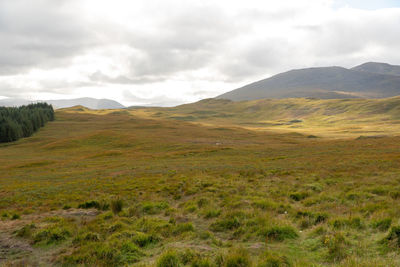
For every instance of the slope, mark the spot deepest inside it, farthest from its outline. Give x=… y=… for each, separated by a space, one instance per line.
x=324 y=83
x=325 y=117
x=380 y=68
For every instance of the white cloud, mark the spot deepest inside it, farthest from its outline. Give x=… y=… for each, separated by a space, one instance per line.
x=179 y=50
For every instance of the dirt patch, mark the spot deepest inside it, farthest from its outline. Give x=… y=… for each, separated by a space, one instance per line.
x=12 y=225
x=13 y=249
x=16 y=251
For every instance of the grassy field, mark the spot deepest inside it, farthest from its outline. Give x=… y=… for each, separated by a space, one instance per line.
x=333 y=118
x=188 y=187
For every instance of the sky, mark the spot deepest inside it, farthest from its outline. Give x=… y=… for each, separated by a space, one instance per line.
x=169 y=52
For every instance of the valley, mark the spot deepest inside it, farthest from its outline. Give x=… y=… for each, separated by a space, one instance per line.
x=200 y=185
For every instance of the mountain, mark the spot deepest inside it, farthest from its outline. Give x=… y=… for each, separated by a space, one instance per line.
x=88 y=102
x=323 y=83
x=380 y=68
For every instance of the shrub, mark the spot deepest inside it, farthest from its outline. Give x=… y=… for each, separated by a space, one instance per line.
x=15 y=216
x=52 y=235
x=212 y=213
x=115 y=227
x=187 y=256
x=297 y=196
x=130 y=253
x=382 y=225
x=320 y=218
x=310 y=218
x=104 y=254
x=116 y=206
x=238 y=258
x=169 y=259
x=274 y=261
x=316 y=187
x=107 y=215
x=184 y=227
x=154 y=208
x=91 y=237
x=201 y=263
x=89 y=205
x=151 y=225
x=336 y=245
x=304 y=224
x=339 y=223
x=229 y=223
x=355 y=223
x=109 y=256
x=279 y=233
x=190 y=208
x=143 y=240
x=202 y=202
x=264 y=204
x=93 y=204
x=393 y=238
x=318 y=231
x=26 y=231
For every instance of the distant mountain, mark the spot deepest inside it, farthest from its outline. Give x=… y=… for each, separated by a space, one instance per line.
x=380 y=68
x=324 y=83
x=88 y=102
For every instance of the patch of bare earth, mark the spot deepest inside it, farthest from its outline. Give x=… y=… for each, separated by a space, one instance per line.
x=16 y=251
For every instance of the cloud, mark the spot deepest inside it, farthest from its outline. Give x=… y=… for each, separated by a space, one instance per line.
x=100 y=78
x=43 y=34
x=178 y=48
x=161 y=100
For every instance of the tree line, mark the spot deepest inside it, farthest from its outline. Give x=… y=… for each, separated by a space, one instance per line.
x=18 y=122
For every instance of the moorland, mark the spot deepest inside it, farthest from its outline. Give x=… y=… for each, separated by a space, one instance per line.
x=293 y=182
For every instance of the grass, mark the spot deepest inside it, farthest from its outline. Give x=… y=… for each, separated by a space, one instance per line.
x=363 y=118
x=129 y=188
x=116 y=206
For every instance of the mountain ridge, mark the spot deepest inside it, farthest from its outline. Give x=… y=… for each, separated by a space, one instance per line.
x=88 y=102
x=380 y=68
x=324 y=82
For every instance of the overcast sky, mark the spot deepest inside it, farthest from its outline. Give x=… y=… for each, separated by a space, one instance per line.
x=175 y=51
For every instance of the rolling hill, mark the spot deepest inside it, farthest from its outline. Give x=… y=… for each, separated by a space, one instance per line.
x=323 y=117
x=88 y=102
x=370 y=80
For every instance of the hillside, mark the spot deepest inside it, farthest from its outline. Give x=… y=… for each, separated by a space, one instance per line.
x=120 y=189
x=322 y=117
x=323 y=83
x=87 y=102
x=380 y=68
